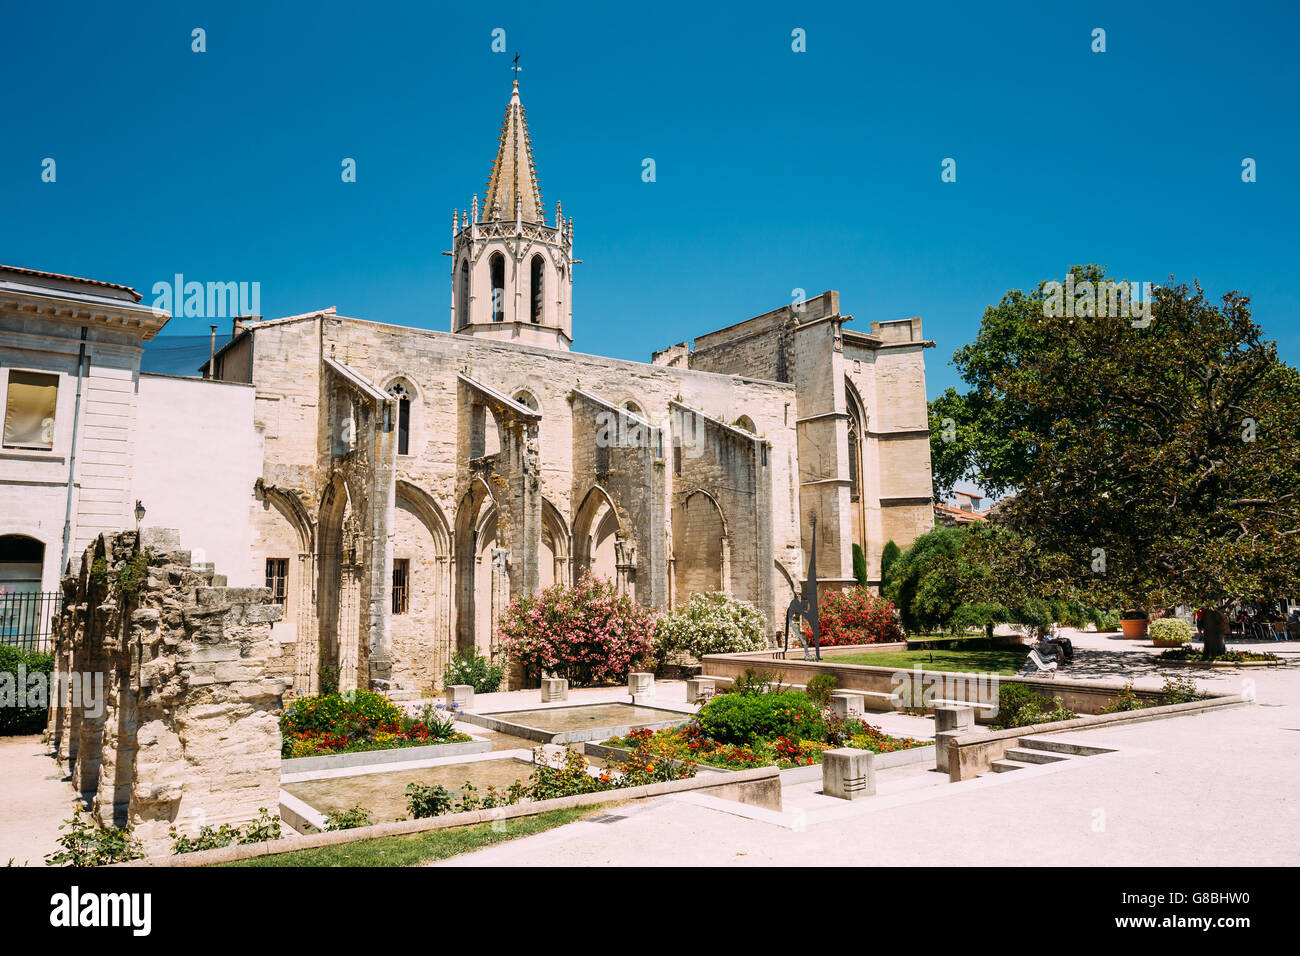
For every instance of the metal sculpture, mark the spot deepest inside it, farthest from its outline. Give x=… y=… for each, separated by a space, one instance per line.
x=805 y=607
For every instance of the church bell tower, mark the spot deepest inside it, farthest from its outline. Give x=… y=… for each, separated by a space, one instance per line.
x=512 y=273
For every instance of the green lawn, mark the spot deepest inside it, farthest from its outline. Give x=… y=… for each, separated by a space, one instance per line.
x=417 y=848
x=990 y=662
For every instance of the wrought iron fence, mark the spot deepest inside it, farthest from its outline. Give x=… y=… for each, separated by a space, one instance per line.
x=25 y=618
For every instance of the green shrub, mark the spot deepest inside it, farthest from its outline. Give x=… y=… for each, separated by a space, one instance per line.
x=1020 y=706
x=349 y=819
x=1170 y=629
x=756 y=682
x=329 y=711
x=85 y=844
x=442 y=726
x=1108 y=621
x=891 y=553
x=820 y=687
x=860 y=565
x=747 y=718
x=1179 y=690
x=710 y=623
x=22 y=720
x=1126 y=700
x=427 y=801
x=469 y=667
x=262 y=830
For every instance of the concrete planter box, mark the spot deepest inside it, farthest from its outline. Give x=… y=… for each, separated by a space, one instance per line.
x=1083 y=697
x=365 y=758
x=897 y=758
x=758 y=787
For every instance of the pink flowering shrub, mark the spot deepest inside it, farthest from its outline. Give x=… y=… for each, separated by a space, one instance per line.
x=586 y=632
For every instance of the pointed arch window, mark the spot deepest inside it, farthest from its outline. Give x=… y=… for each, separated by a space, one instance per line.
x=462 y=299
x=853 y=458
x=537 y=283
x=403 y=396
x=497 y=271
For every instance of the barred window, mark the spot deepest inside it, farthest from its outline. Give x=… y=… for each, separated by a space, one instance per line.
x=401 y=585
x=277 y=578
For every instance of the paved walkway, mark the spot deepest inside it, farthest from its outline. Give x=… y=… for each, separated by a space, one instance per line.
x=34 y=799
x=1216 y=789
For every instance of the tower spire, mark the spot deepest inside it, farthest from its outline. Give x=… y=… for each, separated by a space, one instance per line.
x=512 y=190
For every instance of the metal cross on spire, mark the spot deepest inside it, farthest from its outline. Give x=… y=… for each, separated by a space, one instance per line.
x=516 y=67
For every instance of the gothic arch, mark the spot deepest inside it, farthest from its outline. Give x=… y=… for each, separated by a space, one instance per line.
x=406 y=412
x=701 y=550
x=421 y=632
x=556 y=558
x=286 y=530
x=475 y=530
x=340 y=563
x=857 y=438
x=596 y=528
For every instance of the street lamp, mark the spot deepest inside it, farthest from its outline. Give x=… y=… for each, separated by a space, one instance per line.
x=139 y=514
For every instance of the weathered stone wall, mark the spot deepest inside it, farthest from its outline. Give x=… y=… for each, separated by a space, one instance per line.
x=186 y=732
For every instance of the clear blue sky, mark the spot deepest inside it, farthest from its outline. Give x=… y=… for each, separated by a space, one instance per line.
x=775 y=169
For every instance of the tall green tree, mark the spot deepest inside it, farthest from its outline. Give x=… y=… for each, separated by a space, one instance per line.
x=1152 y=462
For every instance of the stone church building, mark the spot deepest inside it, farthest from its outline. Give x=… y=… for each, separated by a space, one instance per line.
x=412 y=481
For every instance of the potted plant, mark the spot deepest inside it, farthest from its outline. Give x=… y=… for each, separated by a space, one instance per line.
x=1134 y=624
x=1170 y=632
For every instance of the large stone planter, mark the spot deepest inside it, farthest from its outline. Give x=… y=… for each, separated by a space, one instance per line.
x=1134 y=630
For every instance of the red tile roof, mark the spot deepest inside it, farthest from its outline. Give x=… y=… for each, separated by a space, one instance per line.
x=58 y=275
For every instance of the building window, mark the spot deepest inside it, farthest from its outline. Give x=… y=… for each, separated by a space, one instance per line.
x=462 y=300
x=29 y=410
x=853 y=459
x=403 y=397
x=538 y=286
x=277 y=579
x=497 y=271
x=401 y=585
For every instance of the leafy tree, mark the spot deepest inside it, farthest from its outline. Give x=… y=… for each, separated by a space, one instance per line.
x=925 y=580
x=888 y=556
x=1153 y=463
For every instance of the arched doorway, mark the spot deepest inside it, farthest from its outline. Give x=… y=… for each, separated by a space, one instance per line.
x=24 y=614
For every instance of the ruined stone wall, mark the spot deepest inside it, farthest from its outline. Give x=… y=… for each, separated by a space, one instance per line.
x=896 y=479
x=186 y=730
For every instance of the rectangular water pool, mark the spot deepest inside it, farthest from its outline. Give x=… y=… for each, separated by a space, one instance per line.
x=579 y=722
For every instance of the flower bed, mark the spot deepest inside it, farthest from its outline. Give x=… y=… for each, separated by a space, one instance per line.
x=691 y=744
x=356 y=722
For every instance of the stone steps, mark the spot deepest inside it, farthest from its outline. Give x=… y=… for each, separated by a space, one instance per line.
x=1063 y=747
x=1028 y=755
x=1005 y=766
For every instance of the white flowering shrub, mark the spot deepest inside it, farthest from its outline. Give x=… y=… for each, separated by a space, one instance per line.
x=710 y=624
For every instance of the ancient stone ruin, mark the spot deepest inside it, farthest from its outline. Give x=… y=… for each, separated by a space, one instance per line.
x=167 y=690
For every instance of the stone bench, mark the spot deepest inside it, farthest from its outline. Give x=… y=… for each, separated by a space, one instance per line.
x=986 y=710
